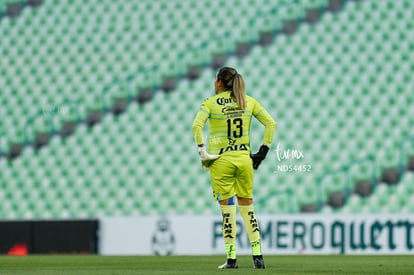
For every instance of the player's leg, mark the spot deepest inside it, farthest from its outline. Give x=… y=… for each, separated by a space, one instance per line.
x=253 y=231
x=244 y=190
x=228 y=210
x=222 y=179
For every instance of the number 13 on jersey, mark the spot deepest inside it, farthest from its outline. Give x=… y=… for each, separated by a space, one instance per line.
x=237 y=130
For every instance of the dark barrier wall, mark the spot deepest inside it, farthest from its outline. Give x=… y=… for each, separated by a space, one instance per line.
x=46 y=237
x=13 y=234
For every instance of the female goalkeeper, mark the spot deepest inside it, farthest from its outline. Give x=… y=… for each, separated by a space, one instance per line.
x=229 y=159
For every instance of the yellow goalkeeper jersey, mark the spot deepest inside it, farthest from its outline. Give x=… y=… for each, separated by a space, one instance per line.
x=229 y=125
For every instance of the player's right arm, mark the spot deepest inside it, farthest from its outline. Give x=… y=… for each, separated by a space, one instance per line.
x=198 y=123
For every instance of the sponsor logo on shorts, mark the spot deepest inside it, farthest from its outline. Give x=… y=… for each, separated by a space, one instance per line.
x=235 y=147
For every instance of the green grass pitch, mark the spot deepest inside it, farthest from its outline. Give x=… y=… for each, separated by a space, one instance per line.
x=304 y=264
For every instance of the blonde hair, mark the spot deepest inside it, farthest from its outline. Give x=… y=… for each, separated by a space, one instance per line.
x=234 y=82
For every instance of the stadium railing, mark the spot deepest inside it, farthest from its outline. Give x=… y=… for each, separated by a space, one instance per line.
x=371 y=160
x=348 y=183
x=403 y=155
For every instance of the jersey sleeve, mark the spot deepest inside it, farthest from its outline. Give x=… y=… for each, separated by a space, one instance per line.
x=199 y=121
x=263 y=116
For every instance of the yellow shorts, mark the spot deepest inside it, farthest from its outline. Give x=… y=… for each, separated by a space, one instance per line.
x=232 y=175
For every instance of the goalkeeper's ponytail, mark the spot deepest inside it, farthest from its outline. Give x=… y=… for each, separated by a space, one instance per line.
x=239 y=94
x=234 y=82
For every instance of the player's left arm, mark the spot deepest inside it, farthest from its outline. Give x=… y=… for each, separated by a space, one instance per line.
x=263 y=116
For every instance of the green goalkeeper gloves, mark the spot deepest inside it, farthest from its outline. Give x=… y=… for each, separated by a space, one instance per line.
x=206 y=158
x=259 y=156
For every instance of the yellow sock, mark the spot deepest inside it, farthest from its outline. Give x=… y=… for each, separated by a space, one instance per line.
x=229 y=229
x=252 y=227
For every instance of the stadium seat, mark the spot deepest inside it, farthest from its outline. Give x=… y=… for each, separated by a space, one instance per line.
x=77 y=58
x=329 y=97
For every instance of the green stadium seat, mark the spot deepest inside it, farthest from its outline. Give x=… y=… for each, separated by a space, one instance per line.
x=51 y=20
x=312 y=80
